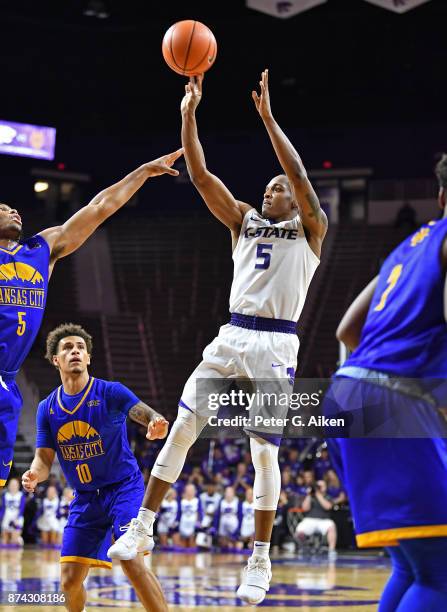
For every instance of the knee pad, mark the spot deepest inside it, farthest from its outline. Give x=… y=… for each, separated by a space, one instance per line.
x=267 y=485
x=171 y=459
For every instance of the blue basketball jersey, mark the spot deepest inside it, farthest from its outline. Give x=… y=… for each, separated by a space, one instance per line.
x=23 y=294
x=405 y=332
x=88 y=432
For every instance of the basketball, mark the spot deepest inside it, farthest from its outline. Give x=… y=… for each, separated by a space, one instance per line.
x=189 y=48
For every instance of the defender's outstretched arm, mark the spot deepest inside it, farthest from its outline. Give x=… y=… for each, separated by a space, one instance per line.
x=350 y=328
x=66 y=238
x=312 y=215
x=157 y=426
x=217 y=197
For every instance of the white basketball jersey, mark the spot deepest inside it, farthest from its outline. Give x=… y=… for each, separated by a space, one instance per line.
x=168 y=513
x=273 y=267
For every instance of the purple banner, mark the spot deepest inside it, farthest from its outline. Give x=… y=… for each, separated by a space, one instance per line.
x=27 y=140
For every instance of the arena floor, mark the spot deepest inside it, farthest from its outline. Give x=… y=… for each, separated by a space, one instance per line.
x=207 y=581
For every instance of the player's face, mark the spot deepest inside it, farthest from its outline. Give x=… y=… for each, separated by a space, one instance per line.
x=10 y=223
x=278 y=199
x=72 y=356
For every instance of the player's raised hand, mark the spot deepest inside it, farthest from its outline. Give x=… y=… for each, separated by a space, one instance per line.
x=29 y=481
x=163 y=165
x=193 y=94
x=262 y=101
x=157 y=428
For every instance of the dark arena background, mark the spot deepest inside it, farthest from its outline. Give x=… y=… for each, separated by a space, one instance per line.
x=360 y=91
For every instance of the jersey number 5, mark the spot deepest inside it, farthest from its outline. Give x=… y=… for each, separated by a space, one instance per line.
x=263 y=252
x=22 y=323
x=392 y=281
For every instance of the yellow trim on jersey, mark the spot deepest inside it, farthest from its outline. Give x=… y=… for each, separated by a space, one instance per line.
x=81 y=401
x=87 y=561
x=14 y=251
x=2 y=483
x=390 y=537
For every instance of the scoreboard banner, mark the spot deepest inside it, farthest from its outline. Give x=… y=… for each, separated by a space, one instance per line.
x=398 y=6
x=283 y=9
x=27 y=140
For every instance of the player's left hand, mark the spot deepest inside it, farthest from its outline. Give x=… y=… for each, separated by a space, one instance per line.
x=163 y=165
x=157 y=428
x=262 y=102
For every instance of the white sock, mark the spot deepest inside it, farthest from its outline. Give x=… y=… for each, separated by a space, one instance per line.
x=261 y=549
x=147 y=517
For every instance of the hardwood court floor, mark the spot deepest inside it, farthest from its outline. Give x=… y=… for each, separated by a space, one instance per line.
x=207 y=582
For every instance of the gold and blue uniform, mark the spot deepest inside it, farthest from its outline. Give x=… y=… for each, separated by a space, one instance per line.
x=23 y=293
x=88 y=432
x=393 y=458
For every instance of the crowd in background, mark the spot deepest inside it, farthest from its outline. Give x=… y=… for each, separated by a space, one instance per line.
x=211 y=505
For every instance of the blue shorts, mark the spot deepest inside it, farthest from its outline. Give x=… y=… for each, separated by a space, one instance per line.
x=397 y=487
x=10 y=408
x=97 y=515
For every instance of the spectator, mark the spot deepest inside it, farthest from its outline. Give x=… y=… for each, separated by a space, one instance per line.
x=317 y=505
x=301 y=489
x=322 y=464
x=406 y=217
x=196 y=478
x=242 y=481
x=293 y=461
x=288 y=486
x=189 y=517
x=247 y=529
x=168 y=514
x=308 y=479
x=334 y=489
x=209 y=501
x=13 y=507
x=48 y=523
x=228 y=518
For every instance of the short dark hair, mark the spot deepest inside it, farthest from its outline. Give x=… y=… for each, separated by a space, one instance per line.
x=63 y=331
x=441 y=171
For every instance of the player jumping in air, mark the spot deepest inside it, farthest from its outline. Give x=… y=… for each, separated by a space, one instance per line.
x=275 y=256
x=393 y=460
x=84 y=422
x=25 y=269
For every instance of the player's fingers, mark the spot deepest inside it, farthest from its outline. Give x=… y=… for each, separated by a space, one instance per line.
x=171 y=171
x=175 y=155
x=266 y=77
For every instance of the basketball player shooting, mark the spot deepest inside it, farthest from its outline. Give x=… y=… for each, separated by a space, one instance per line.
x=275 y=256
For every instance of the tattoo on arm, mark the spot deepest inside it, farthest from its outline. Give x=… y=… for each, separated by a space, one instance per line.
x=313 y=202
x=141 y=413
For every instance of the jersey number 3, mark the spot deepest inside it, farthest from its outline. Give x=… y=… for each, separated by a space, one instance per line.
x=22 y=323
x=263 y=252
x=392 y=281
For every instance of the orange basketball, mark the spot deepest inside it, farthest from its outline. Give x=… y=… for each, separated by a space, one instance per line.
x=189 y=48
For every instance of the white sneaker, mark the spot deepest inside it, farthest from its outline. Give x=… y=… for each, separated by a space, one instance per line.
x=137 y=539
x=256 y=580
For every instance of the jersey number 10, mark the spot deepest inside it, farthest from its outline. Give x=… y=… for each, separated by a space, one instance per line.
x=84 y=473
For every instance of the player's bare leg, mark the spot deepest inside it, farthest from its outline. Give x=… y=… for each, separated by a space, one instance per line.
x=155 y=493
x=72 y=585
x=146 y=585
